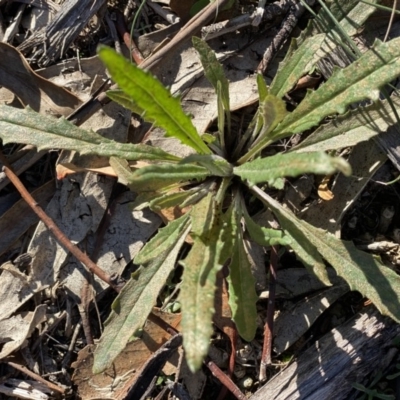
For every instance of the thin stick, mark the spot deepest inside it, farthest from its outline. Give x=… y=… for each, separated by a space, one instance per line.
x=36 y=377
x=56 y=231
x=225 y=380
x=127 y=38
x=269 y=325
x=287 y=26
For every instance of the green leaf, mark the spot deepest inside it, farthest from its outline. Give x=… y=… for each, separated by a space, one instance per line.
x=212 y=69
x=351 y=128
x=150 y=95
x=154 y=177
x=217 y=165
x=133 y=305
x=205 y=259
x=350 y=14
x=120 y=97
x=170 y=200
x=362 y=79
x=305 y=52
x=122 y=169
x=362 y=271
x=221 y=115
x=264 y=236
x=242 y=293
x=163 y=241
x=281 y=165
x=272 y=111
x=27 y=126
x=296 y=64
x=306 y=251
x=262 y=88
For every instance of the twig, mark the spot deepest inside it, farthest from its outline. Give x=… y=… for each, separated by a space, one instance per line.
x=68 y=354
x=269 y=325
x=38 y=378
x=221 y=28
x=83 y=308
x=288 y=24
x=127 y=38
x=390 y=21
x=225 y=380
x=55 y=230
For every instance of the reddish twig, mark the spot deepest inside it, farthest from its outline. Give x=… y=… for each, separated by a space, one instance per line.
x=36 y=377
x=223 y=320
x=126 y=37
x=225 y=380
x=269 y=325
x=56 y=231
x=84 y=312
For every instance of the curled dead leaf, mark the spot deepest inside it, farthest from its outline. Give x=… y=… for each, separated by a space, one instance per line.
x=323 y=190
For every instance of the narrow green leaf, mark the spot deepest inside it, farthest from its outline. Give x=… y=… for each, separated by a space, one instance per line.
x=120 y=97
x=295 y=65
x=306 y=252
x=262 y=88
x=204 y=260
x=212 y=69
x=362 y=271
x=221 y=115
x=27 y=126
x=122 y=169
x=264 y=236
x=242 y=293
x=273 y=111
x=281 y=165
x=217 y=165
x=362 y=79
x=315 y=44
x=133 y=305
x=163 y=241
x=350 y=14
x=170 y=200
x=351 y=128
x=157 y=176
x=150 y=95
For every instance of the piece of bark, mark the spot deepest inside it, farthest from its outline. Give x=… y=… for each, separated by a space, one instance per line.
x=55 y=39
x=329 y=368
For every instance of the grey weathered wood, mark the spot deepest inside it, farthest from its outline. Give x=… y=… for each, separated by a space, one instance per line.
x=328 y=369
x=52 y=41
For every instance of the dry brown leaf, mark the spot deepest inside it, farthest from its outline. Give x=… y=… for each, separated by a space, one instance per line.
x=323 y=190
x=126 y=366
x=17 y=220
x=15 y=330
x=33 y=90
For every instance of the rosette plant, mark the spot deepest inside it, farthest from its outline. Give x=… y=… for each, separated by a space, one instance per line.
x=212 y=186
